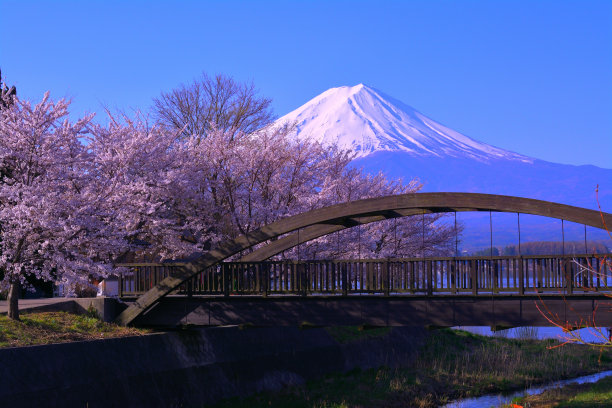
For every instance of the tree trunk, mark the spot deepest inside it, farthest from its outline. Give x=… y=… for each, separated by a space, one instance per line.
x=13 y=299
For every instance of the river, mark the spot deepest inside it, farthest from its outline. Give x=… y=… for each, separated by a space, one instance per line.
x=497 y=400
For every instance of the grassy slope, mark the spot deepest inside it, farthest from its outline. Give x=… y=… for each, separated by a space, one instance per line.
x=57 y=327
x=450 y=365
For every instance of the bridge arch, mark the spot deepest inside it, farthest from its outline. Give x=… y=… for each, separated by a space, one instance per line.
x=326 y=220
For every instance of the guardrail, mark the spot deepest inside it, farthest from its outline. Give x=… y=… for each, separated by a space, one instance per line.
x=424 y=276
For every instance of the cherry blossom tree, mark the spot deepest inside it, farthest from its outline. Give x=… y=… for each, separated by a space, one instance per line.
x=148 y=184
x=181 y=195
x=52 y=225
x=254 y=179
x=257 y=178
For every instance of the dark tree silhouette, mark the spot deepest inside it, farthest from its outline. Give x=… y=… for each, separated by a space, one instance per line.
x=7 y=95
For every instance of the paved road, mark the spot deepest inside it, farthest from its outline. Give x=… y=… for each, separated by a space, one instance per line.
x=26 y=304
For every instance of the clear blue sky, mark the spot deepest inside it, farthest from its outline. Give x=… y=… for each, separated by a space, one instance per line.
x=530 y=76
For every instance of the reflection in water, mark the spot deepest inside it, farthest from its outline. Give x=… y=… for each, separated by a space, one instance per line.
x=499 y=399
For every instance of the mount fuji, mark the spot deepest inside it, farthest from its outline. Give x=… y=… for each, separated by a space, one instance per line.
x=389 y=136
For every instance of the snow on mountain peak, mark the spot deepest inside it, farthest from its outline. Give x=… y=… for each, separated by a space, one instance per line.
x=366 y=120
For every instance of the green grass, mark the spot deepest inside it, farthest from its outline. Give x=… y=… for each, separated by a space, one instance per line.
x=598 y=395
x=450 y=365
x=594 y=395
x=57 y=327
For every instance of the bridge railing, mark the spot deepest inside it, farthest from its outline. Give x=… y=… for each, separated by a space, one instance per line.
x=422 y=276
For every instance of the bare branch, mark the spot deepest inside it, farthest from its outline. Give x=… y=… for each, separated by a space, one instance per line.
x=217 y=102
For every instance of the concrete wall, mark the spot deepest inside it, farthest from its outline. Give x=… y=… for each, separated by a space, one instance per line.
x=186 y=368
x=411 y=310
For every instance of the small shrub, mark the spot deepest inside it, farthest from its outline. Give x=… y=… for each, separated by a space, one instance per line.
x=92 y=312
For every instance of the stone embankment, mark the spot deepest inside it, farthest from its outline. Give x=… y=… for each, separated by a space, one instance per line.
x=189 y=367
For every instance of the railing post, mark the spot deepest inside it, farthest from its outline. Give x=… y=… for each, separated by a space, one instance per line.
x=335 y=276
x=569 y=276
x=190 y=288
x=257 y=268
x=344 y=279
x=414 y=275
x=586 y=273
x=521 y=276
x=429 y=266
x=226 y=283
x=495 y=275
x=598 y=273
x=453 y=272
x=120 y=282
x=303 y=278
x=265 y=278
x=386 y=277
x=474 y=276
x=538 y=267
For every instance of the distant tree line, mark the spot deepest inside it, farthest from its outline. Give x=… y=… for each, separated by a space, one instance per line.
x=546 y=248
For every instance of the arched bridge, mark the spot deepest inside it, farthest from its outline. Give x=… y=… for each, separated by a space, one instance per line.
x=437 y=291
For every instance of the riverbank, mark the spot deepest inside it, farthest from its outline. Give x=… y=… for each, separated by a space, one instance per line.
x=449 y=365
x=190 y=367
x=598 y=394
x=284 y=367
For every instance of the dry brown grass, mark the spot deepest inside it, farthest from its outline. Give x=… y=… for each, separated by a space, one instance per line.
x=58 y=327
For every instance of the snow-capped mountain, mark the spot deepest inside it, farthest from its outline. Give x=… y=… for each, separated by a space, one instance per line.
x=366 y=120
x=389 y=136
